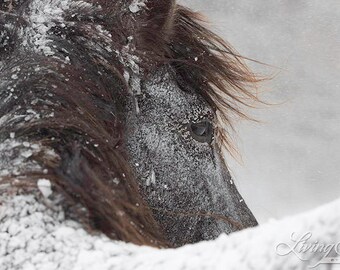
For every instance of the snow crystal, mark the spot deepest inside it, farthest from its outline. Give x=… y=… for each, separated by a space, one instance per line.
x=151 y=180
x=27 y=153
x=116 y=181
x=44 y=186
x=41 y=22
x=26 y=144
x=137 y=5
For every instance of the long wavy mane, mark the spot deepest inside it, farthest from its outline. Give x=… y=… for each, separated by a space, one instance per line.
x=75 y=131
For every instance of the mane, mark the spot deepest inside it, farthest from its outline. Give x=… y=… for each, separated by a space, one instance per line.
x=75 y=130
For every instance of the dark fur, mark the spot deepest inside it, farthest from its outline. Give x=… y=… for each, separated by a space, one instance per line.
x=87 y=128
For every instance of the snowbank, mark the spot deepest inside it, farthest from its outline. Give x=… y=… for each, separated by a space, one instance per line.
x=33 y=236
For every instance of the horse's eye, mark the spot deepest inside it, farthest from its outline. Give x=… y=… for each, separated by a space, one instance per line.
x=202 y=131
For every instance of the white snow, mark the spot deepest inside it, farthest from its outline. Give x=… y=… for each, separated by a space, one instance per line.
x=41 y=22
x=33 y=236
x=14 y=157
x=151 y=180
x=137 y=5
x=27 y=154
x=45 y=187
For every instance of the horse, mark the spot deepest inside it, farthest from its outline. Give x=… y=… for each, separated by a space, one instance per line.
x=120 y=112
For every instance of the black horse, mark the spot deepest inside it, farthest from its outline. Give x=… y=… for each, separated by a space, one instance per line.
x=124 y=107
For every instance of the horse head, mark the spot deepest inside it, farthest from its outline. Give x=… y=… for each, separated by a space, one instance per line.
x=125 y=107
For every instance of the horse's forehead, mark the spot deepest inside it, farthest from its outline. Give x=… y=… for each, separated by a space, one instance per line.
x=168 y=98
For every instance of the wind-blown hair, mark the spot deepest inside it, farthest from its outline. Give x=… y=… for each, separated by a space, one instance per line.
x=76 y=131
x=205 y=62
x=218 y=73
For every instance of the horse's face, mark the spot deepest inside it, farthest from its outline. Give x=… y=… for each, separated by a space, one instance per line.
x=171 y=143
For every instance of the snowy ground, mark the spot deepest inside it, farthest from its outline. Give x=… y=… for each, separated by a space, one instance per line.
x=291 y=161
x=39 y=238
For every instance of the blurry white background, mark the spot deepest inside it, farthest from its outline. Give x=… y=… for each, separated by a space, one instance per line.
x=291 y=162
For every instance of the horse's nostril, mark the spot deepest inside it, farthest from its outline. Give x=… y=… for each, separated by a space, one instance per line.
x=202 y=131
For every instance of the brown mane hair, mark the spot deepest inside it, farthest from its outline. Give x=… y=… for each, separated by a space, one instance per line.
x=204 y=62
x=86 y=130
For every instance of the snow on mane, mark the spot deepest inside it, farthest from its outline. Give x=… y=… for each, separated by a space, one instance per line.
x=137 y=5
x=36 y=36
